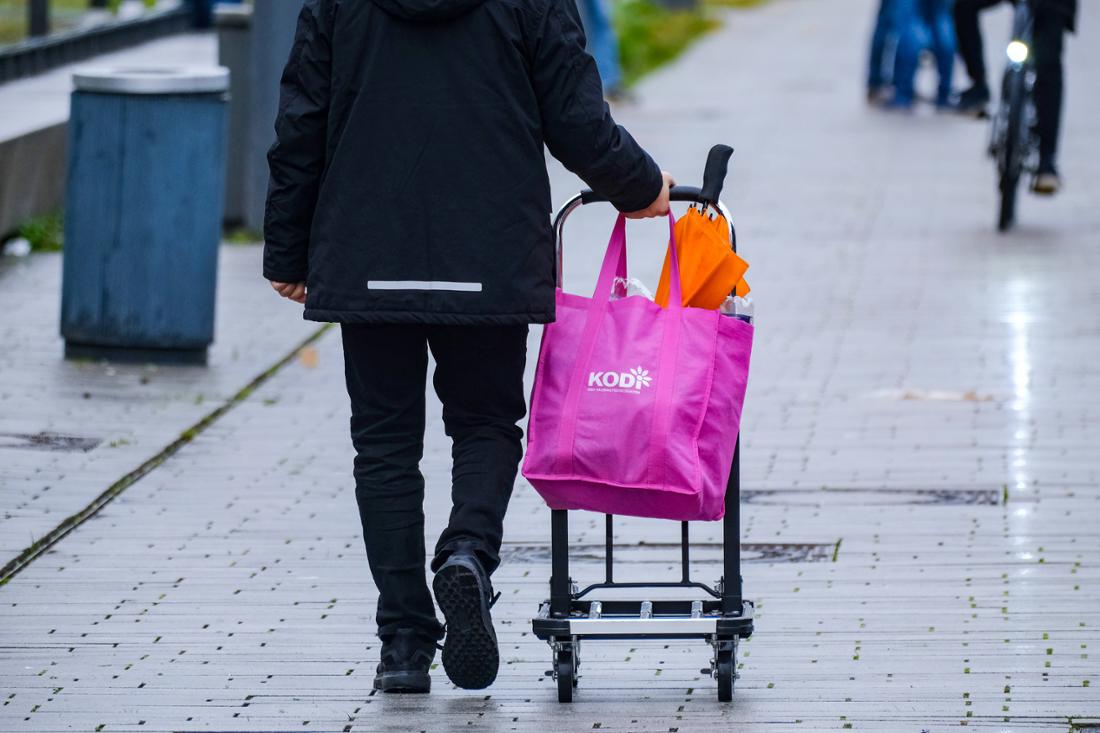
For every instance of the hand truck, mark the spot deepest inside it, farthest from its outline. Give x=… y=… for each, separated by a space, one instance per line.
x=724 y=618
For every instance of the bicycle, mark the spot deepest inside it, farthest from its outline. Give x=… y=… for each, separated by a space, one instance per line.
x=1014 y=143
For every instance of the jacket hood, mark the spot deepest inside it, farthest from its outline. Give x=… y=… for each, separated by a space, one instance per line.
x=427 y=11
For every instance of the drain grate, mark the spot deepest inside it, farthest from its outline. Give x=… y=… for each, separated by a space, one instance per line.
x=48 y=441
x=703 y=553
x=873 y=497
x=772 y=552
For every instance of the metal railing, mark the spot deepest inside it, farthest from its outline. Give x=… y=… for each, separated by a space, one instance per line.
x=43 y=50
x=38 y=18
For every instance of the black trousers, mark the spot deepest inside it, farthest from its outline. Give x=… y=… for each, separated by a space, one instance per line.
x=1050 y=26
x=479 y=379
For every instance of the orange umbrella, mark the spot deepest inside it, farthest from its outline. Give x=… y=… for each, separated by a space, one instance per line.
x=709 y=269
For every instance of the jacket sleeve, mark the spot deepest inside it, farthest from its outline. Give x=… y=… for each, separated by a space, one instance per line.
x=297 y=159
x=576 y=121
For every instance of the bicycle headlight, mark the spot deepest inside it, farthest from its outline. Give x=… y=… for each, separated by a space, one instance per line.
x=1017 y=52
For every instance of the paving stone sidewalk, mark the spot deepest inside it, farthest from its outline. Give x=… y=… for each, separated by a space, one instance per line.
x=70 y=429
x=920 y=463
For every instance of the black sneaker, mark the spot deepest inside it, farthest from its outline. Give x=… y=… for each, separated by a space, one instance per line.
x=973 y=102
x=406 y=659
x=464 y=594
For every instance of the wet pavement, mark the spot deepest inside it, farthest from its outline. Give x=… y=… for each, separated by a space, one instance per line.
x=71 y=429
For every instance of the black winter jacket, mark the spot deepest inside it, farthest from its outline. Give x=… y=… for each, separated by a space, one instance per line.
x=408 y=179
x=1066 y=9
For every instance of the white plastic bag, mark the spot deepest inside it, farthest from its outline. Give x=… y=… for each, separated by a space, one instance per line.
x=624 y=287
x=738 y=307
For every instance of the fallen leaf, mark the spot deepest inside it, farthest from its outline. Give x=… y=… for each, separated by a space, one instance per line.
x=308 y=356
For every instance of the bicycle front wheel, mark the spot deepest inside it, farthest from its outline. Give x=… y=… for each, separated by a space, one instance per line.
x=1010 y=160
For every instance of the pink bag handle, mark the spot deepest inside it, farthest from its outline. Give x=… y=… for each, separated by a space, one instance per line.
x=614 y=261
x=614 y=265
x=666 y=369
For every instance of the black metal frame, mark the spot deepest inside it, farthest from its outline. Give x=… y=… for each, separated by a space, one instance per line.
x=722 y=620
x=566 y=603
x=38 y=17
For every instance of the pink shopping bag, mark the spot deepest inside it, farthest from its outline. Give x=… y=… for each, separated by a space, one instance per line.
x=636 y=408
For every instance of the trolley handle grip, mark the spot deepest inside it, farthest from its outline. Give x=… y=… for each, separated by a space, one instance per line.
x=676 y=193
x=714 y=177
x=714 y=173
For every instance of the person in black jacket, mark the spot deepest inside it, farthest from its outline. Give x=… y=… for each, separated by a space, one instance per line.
x=1052 y=19
x=409 y=202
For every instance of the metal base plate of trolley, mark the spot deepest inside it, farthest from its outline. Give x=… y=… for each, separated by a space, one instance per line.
x=570 y=615
x=722 y=618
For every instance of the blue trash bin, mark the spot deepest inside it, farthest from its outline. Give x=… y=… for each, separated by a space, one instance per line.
x=143 y=213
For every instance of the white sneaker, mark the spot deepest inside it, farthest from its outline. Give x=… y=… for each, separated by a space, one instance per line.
x=1046 y=184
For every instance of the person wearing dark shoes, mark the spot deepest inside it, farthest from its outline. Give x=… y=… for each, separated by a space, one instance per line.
x=973 y=101
x=465 y=595
x=1053 y=18
x=880 y=63
x=408 y=202
x=406 y=660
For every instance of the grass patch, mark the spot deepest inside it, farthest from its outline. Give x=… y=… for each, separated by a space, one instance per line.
x=45 y=233
x=13 y=17
x=242 y=235
x=651 y=36
x=64 y=14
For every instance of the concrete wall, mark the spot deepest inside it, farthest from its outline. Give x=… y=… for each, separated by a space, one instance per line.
x=32 y=175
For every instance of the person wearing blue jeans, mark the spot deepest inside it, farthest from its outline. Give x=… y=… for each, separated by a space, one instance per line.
x=603 y=44
x=880 y=72
x=923 y=24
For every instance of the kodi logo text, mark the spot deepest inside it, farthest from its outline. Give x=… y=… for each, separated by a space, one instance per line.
x=633 y=381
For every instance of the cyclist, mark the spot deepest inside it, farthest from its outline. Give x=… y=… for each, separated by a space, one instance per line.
x=1052 y=19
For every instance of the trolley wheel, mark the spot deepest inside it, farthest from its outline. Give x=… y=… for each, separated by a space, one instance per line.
x=566 y=673
x=724 y=670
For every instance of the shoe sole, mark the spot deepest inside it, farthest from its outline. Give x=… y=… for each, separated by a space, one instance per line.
x=974 y=113
x=408 y=683
x=470 y=655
